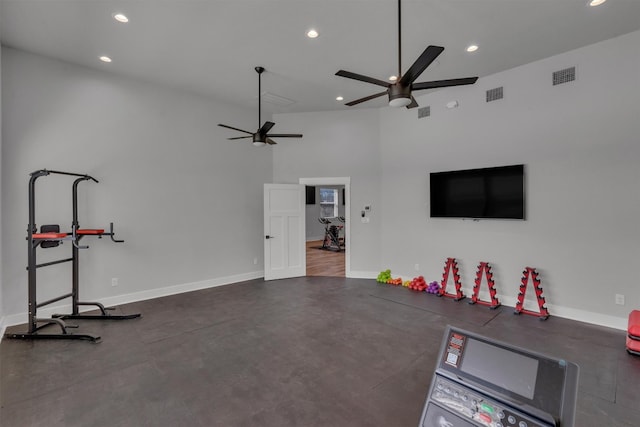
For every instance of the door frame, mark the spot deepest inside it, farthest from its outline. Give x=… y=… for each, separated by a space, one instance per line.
x=346 y=182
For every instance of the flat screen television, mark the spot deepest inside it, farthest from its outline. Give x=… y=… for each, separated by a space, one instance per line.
x=495 y=193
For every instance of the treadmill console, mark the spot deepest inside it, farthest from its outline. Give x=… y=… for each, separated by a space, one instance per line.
x=482 y=382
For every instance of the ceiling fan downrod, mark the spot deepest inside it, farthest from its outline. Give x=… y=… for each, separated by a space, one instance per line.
x=259 y=70
x=399 y=42
x=399 y=95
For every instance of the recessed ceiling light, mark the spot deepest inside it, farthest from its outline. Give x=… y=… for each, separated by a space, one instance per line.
x=120 y=17
x=312 y=34
x=393 y=78
x=339 y=98
x=105 y=59
x=596 y=2
x=472 y=48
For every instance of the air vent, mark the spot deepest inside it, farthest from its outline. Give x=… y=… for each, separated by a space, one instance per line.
x=495 y=94
x=564 y=76
x=276 y=99
x=424 y=112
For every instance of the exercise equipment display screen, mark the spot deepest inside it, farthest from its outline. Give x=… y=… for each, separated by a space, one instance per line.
x=483 y=382
x=507 y=369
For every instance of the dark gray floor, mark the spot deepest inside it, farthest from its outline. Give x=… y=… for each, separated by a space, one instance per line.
x=311 y=351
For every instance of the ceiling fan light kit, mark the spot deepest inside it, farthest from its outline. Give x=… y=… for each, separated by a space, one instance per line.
x=258 y=140
x=399 y=92
x=399 y=96
x=399 y=102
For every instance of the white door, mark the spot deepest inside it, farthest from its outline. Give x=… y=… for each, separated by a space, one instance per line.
x=284 y=231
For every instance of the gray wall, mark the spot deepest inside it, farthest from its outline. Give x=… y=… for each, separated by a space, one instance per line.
x=187 y=201
x=339 y=144
x=1 y=132
x=579 y=142
x=169 y=179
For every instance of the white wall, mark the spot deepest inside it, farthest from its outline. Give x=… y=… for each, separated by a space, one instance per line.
x=338 y=144
x=169 y=179
x=579 y=142
x=187 y=201
x=1 y=132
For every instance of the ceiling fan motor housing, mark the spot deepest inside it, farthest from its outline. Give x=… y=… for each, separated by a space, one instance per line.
x=399 y=96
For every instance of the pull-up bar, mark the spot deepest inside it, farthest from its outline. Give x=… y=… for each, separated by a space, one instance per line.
x=44 y=172
x=50 y=236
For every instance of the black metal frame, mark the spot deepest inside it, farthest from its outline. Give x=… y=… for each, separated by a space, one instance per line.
x=74 y=237
x=331 y=240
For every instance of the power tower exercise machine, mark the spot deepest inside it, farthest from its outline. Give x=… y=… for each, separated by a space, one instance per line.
x=50 y=237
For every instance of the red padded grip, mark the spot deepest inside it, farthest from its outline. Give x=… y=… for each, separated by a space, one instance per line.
x=49 y=236
x=91 y=231
x=634 y=323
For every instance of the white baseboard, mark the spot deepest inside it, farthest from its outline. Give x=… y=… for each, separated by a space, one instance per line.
x=17 y=319
x=178 y=289
x=3 y=326
x=588 y=317
x=570 y=313
x=362 y=274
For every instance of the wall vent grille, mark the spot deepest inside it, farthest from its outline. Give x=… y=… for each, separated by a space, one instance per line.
x=424 y=112
x=564 y=76
x=495 y=94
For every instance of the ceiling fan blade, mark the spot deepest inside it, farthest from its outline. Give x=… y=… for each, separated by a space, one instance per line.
x=285 y=135
x=366 y=98
x=270 y=141
x=266 y=127
x=240 y=137
x=239 y=130
x=360 y=77
x=443 y=83
x=428 y=56
x=413 y=104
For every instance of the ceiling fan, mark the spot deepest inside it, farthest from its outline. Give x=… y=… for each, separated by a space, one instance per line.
x=262 y=135
x=400 y=92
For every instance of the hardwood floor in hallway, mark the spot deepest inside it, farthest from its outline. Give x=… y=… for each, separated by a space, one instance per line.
x=324 y=262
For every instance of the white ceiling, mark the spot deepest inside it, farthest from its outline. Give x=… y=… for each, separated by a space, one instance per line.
x=212 y=46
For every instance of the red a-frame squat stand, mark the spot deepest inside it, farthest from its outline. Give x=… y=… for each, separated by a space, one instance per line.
x=451 y=265
x=530 y=272
x=494 y=303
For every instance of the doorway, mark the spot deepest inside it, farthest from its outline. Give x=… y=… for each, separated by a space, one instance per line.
x=329 y=262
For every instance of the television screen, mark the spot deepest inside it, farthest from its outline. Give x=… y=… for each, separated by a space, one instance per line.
x=478 y=193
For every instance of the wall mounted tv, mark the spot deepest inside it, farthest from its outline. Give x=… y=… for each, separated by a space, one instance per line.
x=495 y=193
